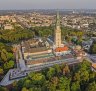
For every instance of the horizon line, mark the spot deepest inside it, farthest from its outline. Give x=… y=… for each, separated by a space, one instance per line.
x=52 y=9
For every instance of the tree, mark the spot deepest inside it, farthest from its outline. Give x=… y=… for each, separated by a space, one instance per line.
x=76 y=77
x=85 y=65
x=51 y=87
x=84 y=69
x=81 y=79
x=9 y=64
x=64 y=84
x=91 y=87
x=10 y=56
x=66 y=70
x=4 y=55
x=1 y=71
x=55 y=80
x=16 y=35
x=24 y=89
x=20 y=84
x=75 y=86
x=84 y=77
x=93 y=49
x=27 y=83
x=37 y=78
x=31 y=89
x=51 y=73
x=57 y=70
x=3 y=89
x=92 y=76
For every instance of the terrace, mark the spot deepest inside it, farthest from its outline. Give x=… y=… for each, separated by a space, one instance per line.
x=39 y=56
x=45 y=58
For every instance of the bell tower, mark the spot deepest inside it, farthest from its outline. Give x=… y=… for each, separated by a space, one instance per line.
x=57 y=32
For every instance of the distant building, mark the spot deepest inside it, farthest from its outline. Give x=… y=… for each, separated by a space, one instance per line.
x=87 y=44
x=8 y=26
x=13 y=20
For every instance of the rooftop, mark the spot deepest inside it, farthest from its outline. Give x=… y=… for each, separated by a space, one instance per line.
x=61 y=49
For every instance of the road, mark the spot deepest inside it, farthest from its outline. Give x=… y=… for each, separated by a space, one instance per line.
x=20 y=65
x=21 y=60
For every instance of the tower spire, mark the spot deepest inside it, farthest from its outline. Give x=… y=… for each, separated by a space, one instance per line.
x=57 y=19
x=57 y=32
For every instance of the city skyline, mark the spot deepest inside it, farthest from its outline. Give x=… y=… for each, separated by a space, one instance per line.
x=48 y=4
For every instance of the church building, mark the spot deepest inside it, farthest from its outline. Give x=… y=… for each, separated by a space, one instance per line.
x=59 y=48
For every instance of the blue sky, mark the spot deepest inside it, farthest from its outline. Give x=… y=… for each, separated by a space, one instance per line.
x=47 y=4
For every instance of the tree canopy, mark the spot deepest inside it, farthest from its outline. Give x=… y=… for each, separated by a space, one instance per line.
x=60 y=78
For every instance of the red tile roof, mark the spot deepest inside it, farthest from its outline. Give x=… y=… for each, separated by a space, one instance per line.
x=61 y=49
x=94 y=65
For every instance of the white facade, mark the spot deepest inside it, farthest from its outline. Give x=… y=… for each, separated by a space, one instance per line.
x=62 y=53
